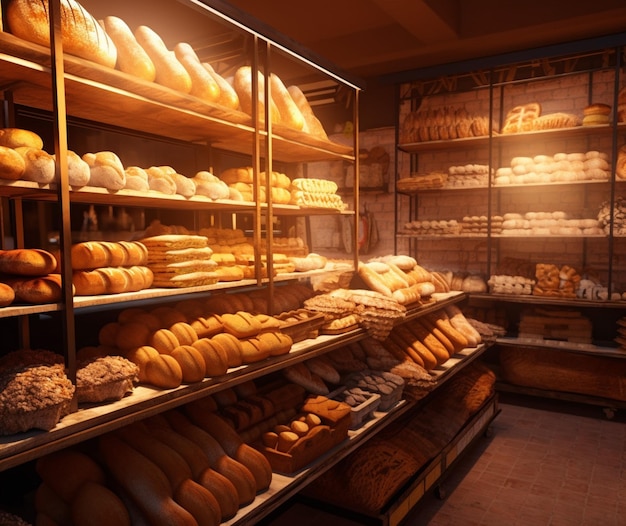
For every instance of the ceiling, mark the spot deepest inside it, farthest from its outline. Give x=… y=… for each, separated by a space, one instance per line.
x=374 y=38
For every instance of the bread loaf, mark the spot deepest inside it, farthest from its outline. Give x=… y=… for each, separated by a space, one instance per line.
x=203 y=84
x=12 y=164
x=82 y=35
x=243 y=86
x=169 y=71
x=27 y=262
x=78 y=171
x=312 y=124
x=105 y=170
x=131 y=57
x=97 y=505
x=164 y=371
x=290 y=114
x=228 y=96
x=18 y=137
x=39 y=165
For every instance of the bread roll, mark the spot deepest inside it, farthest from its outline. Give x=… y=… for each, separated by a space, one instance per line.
x=82 y=35
x=169 y=71
x=39 y=165
x=131 y=57
x=7 y=295
x=27 y=262
x=40 y=290
x=203 y=85
x=12 y=164
x=136 y=179
x=78 y=171
x=18 y=137
x=160 y=181
x=105 y=170
x=164 y=371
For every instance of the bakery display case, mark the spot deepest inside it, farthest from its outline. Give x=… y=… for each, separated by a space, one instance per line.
x=513 y=177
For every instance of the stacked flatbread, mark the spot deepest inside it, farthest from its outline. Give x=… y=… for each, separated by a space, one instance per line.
x=179 y=260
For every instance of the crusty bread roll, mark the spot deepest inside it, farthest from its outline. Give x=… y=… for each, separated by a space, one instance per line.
x=83 y=36
x=105 y=170
x=161 y=181
x=131 y=57
x=12 y=164
x=18 y=137
x=169 y=71
x=39 y=165
x=7 y=295
x=37 y=290
x=78 y=171
x=210 y=185
x=203 y=84
x=27 y=262
x=136 y=179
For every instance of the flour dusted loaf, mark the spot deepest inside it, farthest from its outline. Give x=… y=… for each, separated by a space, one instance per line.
x=83 y=36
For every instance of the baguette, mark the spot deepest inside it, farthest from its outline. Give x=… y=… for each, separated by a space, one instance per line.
x=143 y=481
x=312 y=124
x=203 y=85
x=290 y=114
x=243 y=86
x=131 y=57
x=434 y=345
x=228 y=96
x=442 y=321
x=169 y=71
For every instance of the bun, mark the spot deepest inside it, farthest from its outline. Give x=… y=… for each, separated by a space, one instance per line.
x=105 y=170
x=82 y=35
x=18 y=137
x=131 y=57
x=39 y=165
x=12 y=164
x=77 y=170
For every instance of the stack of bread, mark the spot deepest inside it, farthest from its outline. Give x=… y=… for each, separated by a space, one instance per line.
x=397 y=277
x=422 y=181
x=29 y=275
x=468 y=175
x=318 y=193
x=107 y=267
x=560 y=167
x=442 y=124
x=180 y=260
x=556 y=223
x=481 y=225
x=435 y=227
x=556 y=281
x=505 y=284
x=596 y=114
x=35 y=393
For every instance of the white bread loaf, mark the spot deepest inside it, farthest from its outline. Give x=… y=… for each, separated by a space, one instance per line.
x=106 y=170
x=131 y=57
x=83 y=36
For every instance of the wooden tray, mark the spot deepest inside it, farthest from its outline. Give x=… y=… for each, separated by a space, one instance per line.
x=307 y=326
x=361 y=412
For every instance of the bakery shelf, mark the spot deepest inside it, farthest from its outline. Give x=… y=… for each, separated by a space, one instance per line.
x=529 y=299
x=89 y=422
x=26 y=310
x=284 y=487
x=92 y=90
x=442 y=236
x=559 y=345
x=464 y=143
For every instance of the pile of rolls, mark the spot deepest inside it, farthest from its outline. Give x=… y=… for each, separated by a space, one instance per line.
x=560 y=167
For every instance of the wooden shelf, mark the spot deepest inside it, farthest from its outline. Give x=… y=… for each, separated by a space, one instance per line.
x=528 y=299
x=559 y=345
x=92 y=90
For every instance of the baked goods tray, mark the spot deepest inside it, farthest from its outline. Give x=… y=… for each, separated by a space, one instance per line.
x=301 y=324
x=360 y=413
x=308 y=448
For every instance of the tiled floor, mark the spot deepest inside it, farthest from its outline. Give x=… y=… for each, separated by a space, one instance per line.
x=545 y=464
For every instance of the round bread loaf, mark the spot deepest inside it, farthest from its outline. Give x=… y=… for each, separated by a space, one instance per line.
x=164 y=341
x=12 y=164
x=132 y=334
x=18 y=137
x=7 y=295
x=191 y=363
x=39 y=165
x=215 y=357
x=164 y=371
